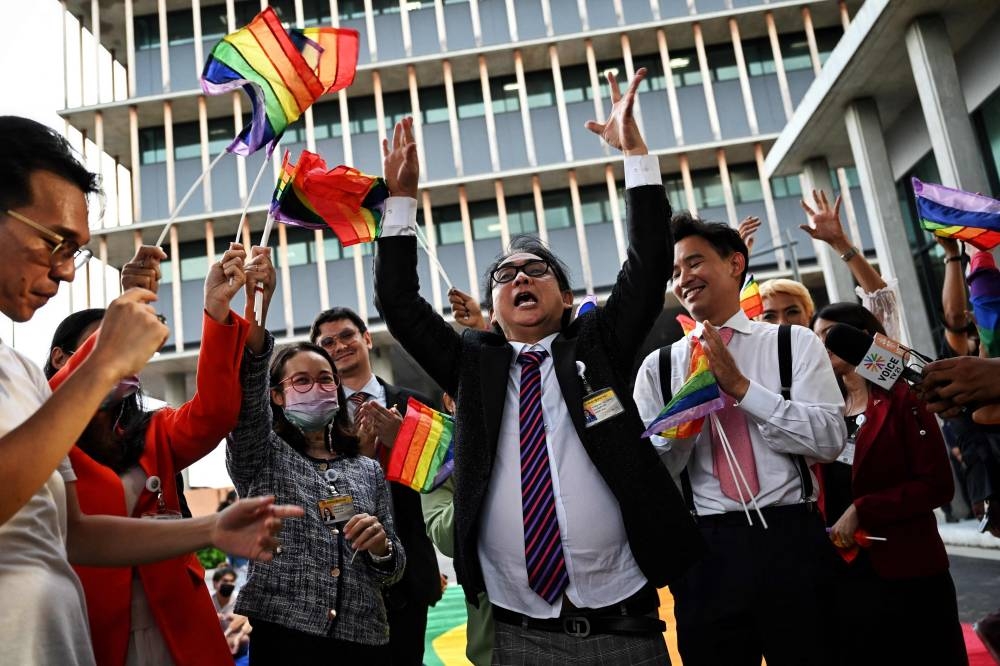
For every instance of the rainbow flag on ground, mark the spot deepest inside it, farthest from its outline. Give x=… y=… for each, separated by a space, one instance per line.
x=684 y=416
x=283 y=72
x=344 y=199
x=964 y=216
x=750 y=301
x=421 y=447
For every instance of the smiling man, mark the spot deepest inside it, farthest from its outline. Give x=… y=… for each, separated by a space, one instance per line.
x=567 y=521
x=758 y=591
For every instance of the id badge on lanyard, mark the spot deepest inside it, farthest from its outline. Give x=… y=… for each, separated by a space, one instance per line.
x=336 y=508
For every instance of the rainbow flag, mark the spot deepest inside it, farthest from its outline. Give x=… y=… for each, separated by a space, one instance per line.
x=984 y=294
x=684 y=416
x=421 y=447
x=344 y=199
x=750 y=301
x=283 y=72
x=964 y=216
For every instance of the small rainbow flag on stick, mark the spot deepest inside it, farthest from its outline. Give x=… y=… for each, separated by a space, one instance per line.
x=344 y=199
x=422 y=447
x=283 y=72
x=684 y=416
x=964 y=216
x=750 y=301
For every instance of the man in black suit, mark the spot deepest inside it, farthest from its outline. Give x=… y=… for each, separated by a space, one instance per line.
x=378 y=406
x=569 y=527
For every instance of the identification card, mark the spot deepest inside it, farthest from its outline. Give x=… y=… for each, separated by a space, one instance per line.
x=600 y=406
x=847 y=455
x=336 y=509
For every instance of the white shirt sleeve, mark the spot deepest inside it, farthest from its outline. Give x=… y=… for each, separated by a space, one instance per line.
x=812 y=422
x=642 y=170
x=65 y=470
x=674 y=453
x=400 y=217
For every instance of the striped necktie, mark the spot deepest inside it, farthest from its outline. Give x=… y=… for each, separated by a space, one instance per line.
x=543 y=553
x=356 y=400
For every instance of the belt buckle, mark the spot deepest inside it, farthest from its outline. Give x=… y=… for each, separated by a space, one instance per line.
x=576 y=626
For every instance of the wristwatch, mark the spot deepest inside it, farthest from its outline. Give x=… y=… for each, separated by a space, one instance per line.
x=847 y=256
x=957 y=257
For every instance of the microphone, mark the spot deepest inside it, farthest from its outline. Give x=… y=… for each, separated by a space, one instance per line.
x=878 y=359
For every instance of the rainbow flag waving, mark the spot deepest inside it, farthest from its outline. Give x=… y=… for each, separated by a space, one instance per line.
x=684 y=416
x=344 y=199
x=422 y=447
x=964 y=216
x=750 y=301
x=283 y=72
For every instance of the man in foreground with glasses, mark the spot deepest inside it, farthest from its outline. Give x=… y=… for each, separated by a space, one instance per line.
x=377 y=408
x=568 y=523
x=43 y=196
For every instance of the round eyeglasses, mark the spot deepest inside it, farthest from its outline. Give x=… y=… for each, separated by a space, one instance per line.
x=532 y=268
x=303 y=383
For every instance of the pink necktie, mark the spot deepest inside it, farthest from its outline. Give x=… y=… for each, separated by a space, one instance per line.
x=734 y=423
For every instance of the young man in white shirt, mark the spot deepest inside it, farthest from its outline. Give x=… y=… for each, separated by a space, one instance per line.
x=757 y=591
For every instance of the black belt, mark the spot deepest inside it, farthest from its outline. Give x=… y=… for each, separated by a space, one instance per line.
x=631 y=616
x=739 y=519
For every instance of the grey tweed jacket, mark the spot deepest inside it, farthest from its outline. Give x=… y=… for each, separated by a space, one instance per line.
x=312 y=575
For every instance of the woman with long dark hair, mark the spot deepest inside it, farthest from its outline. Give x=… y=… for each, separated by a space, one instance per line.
x=126 y=463
x=321 y=596
x=895 y=601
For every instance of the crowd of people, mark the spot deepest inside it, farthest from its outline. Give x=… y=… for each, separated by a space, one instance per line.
x=563 y=519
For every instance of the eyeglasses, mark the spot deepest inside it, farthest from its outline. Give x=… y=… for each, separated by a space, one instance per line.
x=302 y=383
x=532 y=268
x=63 y=249
x=344 y=338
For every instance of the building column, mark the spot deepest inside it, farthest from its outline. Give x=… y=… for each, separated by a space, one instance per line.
x=175 y=388
x=864 y=130
x=836 y=274
x=953 y=139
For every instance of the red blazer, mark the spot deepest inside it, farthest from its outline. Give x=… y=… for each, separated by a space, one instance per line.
x=900 y=474
x=175 y=588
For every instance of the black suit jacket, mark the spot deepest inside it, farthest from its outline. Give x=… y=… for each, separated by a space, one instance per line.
x=421 y=581
x=474 y=367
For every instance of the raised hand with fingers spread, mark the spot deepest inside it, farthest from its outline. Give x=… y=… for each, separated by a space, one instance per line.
x=400 y=164
x=747 y=228
x=824 y=222
x=620 y=129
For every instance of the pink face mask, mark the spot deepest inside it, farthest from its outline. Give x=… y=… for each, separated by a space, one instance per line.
x=313 y=410
x=127 y=387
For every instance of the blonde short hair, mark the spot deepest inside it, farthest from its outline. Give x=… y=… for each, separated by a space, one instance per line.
x=789 y=288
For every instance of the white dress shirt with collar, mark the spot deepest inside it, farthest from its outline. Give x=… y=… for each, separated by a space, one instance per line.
x=373 y=388
x=811 y=424
x=601 y=568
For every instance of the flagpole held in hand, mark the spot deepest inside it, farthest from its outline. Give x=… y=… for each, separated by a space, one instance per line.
x=258 y=289
x=736 y=470
x=253 y=190
x=434 y=259
x=184 y=199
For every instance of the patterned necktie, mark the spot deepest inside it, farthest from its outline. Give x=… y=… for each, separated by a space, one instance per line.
x=734 y=423
x=356 y=400
x=543 y=553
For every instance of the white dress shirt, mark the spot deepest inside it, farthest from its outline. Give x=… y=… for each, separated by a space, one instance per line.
x=601 y=568
x=373 y=388
x=811 y=424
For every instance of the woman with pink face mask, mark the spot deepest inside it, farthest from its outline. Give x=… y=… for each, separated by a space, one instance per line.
x=126 y=463
x=320 y=598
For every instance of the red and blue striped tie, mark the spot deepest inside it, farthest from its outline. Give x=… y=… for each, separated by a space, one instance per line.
x=543 y=553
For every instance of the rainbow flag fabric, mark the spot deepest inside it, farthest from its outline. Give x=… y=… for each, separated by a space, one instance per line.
x=421 y=448
x=684 y=416
x=750 y=301
x=283 y=72
x=956 y=214
x=984 y=294
x=343 y=199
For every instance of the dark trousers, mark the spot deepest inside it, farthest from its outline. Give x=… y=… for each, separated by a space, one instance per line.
x=407 y=626
x=757 y=592
x=909 y=621
x=274 y=645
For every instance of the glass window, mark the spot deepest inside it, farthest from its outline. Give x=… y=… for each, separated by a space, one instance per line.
x=759 y=57
x=707 y=189
x=361 y=111
x=541 y=89
x=469 y=99
x=152 y=146
x=746 y=183
x=595 y=205
x=786 y=186
x=504 y=91
x=396 y=106
x=447 y=224
x=685 y=69
x=434 y=105
x=521 y=214
x=558 y=209
x=485 y=219
x=332 y=249
x=987 y=119
x=722 y=62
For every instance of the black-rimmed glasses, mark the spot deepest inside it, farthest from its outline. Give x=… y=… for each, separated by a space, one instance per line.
x=63 y=249
x=532 y=268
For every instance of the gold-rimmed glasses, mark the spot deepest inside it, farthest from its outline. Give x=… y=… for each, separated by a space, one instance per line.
x=63 y=249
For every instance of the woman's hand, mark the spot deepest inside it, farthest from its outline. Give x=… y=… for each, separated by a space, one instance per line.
x=365 y=532
x=249 y=527
x=842 y=532
x=225 y=279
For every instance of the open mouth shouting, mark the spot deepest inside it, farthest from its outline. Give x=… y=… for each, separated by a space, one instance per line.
x=525 y=300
